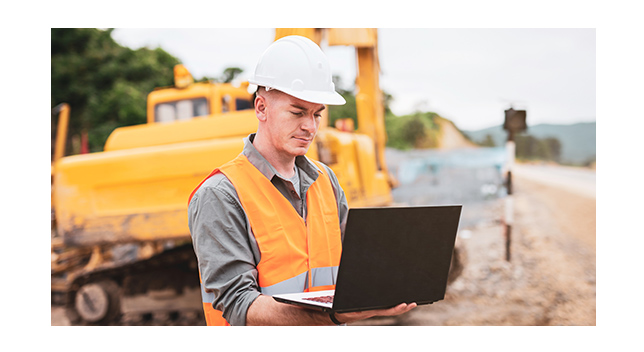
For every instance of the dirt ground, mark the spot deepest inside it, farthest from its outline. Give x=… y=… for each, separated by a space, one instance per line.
x=549 y=280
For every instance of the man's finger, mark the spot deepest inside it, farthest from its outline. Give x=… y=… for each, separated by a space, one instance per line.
x=400 y=309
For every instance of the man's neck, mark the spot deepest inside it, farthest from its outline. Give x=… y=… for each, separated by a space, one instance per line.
x=284 y=165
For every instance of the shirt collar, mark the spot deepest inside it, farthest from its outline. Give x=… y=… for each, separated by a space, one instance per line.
x=255 y=158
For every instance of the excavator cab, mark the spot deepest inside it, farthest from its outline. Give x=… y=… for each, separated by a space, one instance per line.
x=188 y=100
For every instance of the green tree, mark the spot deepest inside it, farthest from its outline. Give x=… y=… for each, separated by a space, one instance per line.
x=230 y=73
x=416 y=130
x=488 y=141
x=347 y=110
x=394 y=125
x=413 y=131
x=554 y=148
x=105 y=84
x=525 y=146
x=529 y=147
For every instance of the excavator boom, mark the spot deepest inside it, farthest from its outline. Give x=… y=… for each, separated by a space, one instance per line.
x=369 y=98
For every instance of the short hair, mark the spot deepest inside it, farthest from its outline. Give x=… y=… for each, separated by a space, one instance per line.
x=266 y=93
x=256 y=93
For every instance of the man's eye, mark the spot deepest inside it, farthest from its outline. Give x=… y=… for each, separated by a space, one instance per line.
x=297 y=113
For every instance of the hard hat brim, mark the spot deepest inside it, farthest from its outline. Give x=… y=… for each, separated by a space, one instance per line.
x=326 y=98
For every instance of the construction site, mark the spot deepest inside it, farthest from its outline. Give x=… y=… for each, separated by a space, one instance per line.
x=121 y=251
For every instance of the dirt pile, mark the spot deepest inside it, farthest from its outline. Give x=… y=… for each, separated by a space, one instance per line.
x=450 y=136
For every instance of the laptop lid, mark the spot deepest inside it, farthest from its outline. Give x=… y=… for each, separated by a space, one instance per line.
x=395 y=254
x=392 y=255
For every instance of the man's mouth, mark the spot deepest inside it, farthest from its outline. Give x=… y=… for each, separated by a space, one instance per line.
x=303 y=139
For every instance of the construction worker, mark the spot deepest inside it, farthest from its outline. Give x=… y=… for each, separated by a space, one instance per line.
x=271 y=220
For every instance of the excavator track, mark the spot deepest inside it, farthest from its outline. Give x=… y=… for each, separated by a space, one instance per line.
x=161 y=290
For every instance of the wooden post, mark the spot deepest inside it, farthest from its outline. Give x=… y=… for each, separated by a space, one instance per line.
x=509 y=201
x=515 y=122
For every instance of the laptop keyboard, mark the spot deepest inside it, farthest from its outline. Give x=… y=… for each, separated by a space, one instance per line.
x=321 y=299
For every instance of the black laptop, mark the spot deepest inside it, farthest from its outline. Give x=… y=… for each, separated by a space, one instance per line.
x=390 y=255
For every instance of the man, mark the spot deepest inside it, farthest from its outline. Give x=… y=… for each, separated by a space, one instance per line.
x=271 y=221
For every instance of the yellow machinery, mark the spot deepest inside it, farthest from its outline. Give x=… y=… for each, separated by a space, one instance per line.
x=121 y=250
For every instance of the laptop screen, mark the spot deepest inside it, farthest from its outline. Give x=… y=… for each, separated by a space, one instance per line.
x=396 y=254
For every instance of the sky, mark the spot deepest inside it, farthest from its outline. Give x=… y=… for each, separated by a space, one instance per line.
x=469 y=76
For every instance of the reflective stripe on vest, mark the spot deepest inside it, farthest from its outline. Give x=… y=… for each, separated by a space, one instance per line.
x=319 y=277
x=296 y=256
x=213 y=316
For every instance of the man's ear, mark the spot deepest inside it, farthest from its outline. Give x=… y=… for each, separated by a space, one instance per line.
x=260 y=107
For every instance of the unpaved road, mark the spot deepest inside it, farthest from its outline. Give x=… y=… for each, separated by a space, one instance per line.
x=576 y=180
x=550 y=279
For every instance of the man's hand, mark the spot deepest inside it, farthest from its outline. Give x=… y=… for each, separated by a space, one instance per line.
x=266 y=311
x=355 y=316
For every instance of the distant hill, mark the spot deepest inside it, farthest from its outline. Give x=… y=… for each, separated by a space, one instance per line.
x=450 y=137
x=578 y=141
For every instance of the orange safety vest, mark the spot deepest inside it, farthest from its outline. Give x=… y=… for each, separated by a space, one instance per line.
x=296 y=256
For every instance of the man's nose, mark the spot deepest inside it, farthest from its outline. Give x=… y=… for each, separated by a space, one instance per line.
x=309 y=124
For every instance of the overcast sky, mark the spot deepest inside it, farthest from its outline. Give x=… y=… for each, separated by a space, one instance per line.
x=467 y=75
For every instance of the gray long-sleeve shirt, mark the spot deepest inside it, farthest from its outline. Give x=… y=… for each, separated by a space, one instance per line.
x=222 y=237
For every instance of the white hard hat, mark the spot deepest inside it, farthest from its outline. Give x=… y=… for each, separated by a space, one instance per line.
x=297 y=66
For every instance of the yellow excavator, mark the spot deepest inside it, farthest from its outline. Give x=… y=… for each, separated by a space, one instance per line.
x=121 y=248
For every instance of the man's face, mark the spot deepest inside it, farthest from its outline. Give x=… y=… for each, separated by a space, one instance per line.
x=291 y=123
